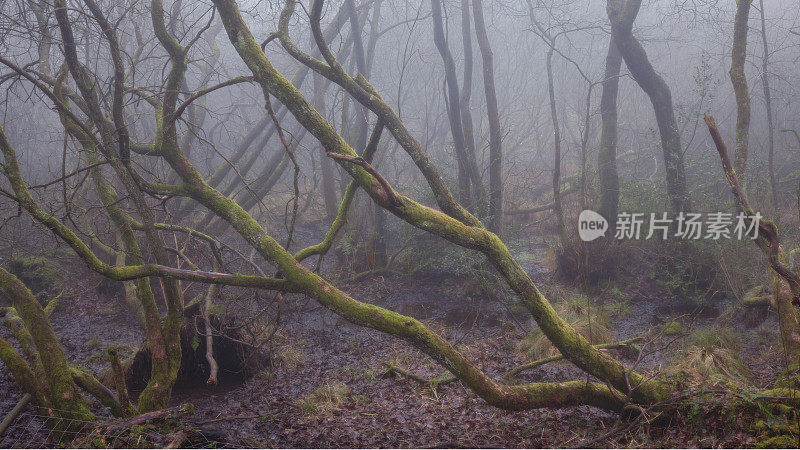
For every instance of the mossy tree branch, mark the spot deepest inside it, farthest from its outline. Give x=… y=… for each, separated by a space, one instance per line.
x=786 y=283
x=165 y=340
x=572 y=345
x=363 y=92
x=344 y=206
x=22 y=373
x=98 y=390
x=454 y=224
x=62 y=392
x=540 y=362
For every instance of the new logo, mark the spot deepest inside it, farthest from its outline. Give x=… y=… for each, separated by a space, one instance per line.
x=591 y=225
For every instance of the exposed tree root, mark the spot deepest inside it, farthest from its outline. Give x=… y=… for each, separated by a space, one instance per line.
x=433 y=384
x=236 y=360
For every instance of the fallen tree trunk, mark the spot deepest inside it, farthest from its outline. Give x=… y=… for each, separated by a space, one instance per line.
x=12 y=415
x=546 y=207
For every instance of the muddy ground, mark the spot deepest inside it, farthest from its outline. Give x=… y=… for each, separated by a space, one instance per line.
x=315 y=348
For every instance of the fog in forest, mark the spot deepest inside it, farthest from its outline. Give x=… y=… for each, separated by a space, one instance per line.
x=383 y=223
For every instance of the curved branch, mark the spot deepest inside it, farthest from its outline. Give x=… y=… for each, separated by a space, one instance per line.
x=300 y=279
x=98 y=390
x=540 y=362
x=174 y=116
x=344 y=206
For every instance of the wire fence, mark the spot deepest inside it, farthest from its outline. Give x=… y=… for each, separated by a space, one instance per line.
x=34 y=429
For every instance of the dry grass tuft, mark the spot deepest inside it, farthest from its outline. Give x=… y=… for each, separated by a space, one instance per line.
x=711 y=355
x=591 y=322
x=325 y=399
x=290 y=357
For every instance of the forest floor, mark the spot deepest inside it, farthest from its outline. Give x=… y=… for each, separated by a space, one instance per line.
x=327 y=383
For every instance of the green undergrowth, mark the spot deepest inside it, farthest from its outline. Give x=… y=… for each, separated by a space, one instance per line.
x=693 y=270
x=738 y=415
x=42 y=274
x=774 y=429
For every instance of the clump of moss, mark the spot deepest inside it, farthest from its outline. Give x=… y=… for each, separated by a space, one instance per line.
x=673 y=328
x=41 y=274
x=756 y=297
x=712 y=354
x=325 y=399
x=782 y=441
x=590 y=321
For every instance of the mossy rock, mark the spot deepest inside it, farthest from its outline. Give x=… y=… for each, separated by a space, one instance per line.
x=782 y=441
x=43 y=275
x=673 y=328
x=756 y=297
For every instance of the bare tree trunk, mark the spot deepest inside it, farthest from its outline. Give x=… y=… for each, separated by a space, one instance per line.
x=622 y=14
x=607 y=155
x=378 y=215
x=361 y=66
x=739 y=81
x=265 y=125
x=453 y=109
x=166 y=338
x=328 y=183
x=495 y=136
x=557 y=207
x=466 y=82
x=550 y=40
x=377 y=239
x=40 y=10
x=768 y=100
x=469 y=176
x=466 y=114
x=587 y=122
